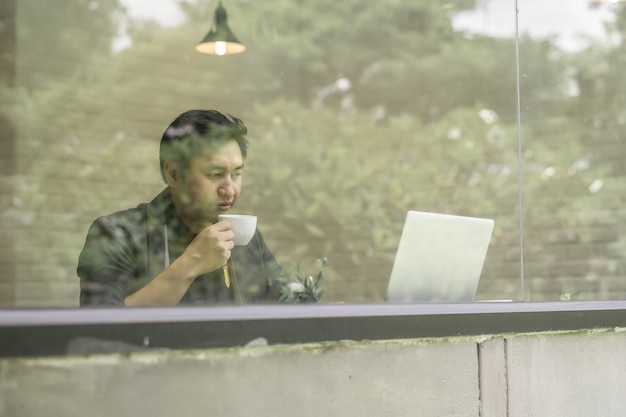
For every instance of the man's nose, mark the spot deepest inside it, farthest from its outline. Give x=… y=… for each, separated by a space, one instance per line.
x=227 y=188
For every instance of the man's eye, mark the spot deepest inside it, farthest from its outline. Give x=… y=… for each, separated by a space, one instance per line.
x=213 y=174
x=237 y=174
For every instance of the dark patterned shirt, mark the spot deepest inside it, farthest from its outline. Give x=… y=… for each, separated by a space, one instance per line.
x=125 y=250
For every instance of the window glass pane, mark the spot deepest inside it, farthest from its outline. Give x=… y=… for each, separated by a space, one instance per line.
x=573 y=120
x=357 y=111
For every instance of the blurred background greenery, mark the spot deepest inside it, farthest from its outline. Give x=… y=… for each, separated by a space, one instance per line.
x=357 y=112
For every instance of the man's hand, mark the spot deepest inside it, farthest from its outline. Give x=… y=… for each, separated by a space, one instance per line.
x=210 y=249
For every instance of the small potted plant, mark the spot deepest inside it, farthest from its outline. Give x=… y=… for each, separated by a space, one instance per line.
x=299 y=287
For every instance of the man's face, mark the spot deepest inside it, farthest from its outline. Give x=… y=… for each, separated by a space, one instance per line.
x=211 y=186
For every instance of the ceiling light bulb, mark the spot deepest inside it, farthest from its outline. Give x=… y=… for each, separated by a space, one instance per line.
x=220 y=48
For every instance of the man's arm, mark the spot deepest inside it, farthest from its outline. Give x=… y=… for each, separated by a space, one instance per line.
x=207 y=252
x=167 y=288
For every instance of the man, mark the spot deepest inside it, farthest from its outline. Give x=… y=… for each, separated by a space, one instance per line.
x=174 y=250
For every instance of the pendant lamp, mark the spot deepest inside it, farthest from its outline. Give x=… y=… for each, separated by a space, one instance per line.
x=220 y=39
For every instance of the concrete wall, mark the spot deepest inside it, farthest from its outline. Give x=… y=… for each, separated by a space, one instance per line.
x=541 y=374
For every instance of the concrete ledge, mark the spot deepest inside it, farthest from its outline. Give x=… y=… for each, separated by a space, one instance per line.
x=544 y=374
x=334 y=379
x=568 y=374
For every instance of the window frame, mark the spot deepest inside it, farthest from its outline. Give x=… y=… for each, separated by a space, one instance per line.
x=35 y=333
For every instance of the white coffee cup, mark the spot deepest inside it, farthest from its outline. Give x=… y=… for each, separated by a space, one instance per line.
x=242 y=225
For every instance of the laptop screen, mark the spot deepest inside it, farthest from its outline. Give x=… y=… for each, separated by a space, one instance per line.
x=439 y=258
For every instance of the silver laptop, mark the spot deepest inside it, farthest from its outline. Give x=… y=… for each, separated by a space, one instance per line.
x=439 y=259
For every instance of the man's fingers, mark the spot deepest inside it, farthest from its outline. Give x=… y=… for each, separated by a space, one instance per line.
x=221 y=226
x=227 y=235
x=220 y=230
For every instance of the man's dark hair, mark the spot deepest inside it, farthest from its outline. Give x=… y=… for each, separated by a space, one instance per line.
x=194 y=131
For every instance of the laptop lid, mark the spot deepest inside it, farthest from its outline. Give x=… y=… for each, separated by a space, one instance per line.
x=439 y=258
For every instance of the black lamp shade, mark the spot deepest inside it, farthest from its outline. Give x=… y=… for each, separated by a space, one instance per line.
x=220 y=39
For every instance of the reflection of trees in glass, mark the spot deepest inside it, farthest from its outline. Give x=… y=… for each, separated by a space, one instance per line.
x=397 y=57
x=575 y=158
x=357 y=111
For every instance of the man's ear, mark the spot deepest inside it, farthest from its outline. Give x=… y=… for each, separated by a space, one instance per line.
x=172 y=173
